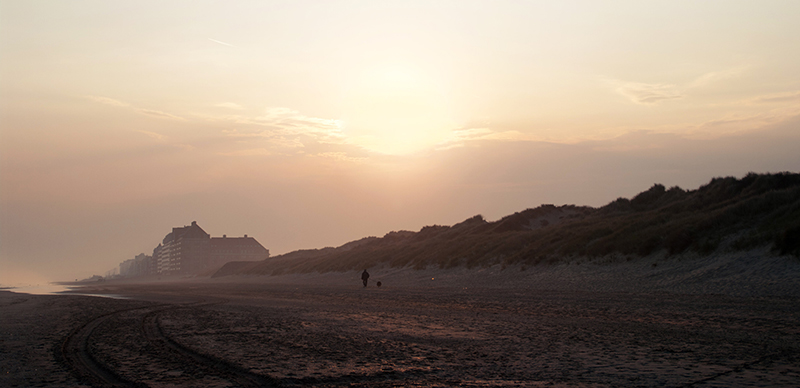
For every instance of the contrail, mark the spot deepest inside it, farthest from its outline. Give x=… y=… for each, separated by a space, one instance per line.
x=222 y=43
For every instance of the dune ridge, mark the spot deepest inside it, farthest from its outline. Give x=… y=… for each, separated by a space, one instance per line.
x=725 y=216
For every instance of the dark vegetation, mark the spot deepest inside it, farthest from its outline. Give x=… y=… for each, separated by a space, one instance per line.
x=727 y=214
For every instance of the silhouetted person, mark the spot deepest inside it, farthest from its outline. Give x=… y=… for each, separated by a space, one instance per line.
x=365 y=277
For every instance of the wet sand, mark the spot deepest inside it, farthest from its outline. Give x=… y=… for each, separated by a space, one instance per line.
x=232 y=333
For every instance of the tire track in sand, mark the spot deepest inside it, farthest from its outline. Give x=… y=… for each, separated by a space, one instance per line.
x=242 y=377
x=75 y=351
x=77 y=354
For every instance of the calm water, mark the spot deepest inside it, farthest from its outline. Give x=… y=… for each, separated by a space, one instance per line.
x=55 y=289
x=39 y=289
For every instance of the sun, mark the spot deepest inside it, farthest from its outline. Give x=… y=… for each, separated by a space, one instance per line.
x=396 y=110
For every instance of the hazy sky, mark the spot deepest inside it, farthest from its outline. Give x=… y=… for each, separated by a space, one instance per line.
x=313 y=123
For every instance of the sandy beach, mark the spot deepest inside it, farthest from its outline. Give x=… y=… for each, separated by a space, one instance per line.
x=421 y=328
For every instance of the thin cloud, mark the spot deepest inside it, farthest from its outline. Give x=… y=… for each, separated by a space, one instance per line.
x=733 y=120
x=283 y=128
x=340 y=156
x=471 y=134
x=154 y=135
x=108 y=101
x=238 y=133
x=159 y=114
x=716 y=76
x=144 y=111
x=222 y=43
x=649 y=94
x=289 y=122
x=460 y=137
x=654 y=93
x=756 y=121
x=779 y=97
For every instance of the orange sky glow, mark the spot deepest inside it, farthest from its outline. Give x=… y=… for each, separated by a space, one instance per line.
x=308 y=124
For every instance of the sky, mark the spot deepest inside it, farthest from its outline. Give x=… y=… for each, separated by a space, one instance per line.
x=308 y=124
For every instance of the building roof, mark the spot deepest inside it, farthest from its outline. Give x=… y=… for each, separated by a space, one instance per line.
x=231 y=242
x=191 y=231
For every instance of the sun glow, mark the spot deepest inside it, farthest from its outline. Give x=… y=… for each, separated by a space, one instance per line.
x=396 y=110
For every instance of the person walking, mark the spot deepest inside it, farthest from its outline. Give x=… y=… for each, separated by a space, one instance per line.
x=365 y=277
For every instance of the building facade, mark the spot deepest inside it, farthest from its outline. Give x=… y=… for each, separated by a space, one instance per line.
x=190 y=250
x=224 y=249
x=184 y=250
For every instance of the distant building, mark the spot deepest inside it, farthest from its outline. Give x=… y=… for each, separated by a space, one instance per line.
x=190 y=250
x=125 y=268
x=155 y=264
x=138 y=266
x=184 y=250
x=224 y=249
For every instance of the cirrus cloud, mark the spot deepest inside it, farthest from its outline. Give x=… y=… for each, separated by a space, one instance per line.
x=643 y=93
x=286 y=122
x=649 y=94
x=779 y=97
x=147 y=112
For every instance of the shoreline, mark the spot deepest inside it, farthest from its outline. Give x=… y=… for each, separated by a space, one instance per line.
x=742 y=274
